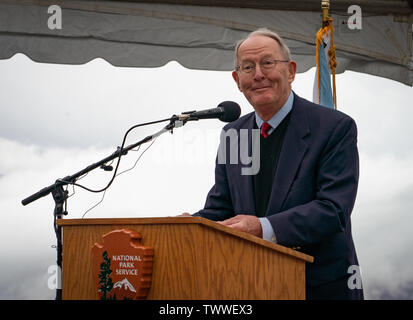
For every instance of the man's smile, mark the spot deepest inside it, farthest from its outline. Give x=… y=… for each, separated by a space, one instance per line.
x=261 y=88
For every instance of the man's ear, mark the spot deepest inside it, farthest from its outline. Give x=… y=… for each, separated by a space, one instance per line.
x=236 y=78
x=292 y=69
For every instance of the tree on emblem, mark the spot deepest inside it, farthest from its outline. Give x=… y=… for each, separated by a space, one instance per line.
x=105 y=281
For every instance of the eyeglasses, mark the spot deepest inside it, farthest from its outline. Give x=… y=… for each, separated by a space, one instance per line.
x=265 y=65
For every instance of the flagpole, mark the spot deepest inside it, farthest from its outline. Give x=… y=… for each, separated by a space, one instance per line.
x=327 y=23
x=325 y=7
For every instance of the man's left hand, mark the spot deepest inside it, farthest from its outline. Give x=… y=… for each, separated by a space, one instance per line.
x=246 y=223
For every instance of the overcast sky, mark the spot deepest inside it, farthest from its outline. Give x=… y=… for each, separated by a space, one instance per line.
x=58 y=119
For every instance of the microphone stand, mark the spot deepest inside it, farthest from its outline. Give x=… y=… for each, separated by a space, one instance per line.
x=60 y=195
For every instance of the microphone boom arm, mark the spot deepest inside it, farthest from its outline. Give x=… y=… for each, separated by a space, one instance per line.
x=174 y=123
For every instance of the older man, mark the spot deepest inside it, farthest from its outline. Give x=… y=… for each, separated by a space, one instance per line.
x=304 y=191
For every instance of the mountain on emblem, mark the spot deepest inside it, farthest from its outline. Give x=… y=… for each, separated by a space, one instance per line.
x=125 y=283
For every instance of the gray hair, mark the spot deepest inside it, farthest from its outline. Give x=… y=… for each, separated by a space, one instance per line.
x=267 y=33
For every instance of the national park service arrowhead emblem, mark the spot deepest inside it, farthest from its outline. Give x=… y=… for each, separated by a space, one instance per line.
x=122 y=267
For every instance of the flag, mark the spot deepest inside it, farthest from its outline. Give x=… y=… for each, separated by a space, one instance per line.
x=323 y=93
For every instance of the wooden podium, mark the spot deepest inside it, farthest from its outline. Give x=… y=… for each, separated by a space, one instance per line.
x=194 y=258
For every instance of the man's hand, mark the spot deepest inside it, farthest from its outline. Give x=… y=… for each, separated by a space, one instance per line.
x=246 y=223
x=185 y=214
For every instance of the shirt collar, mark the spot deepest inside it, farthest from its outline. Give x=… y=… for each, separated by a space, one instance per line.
x=279 y=116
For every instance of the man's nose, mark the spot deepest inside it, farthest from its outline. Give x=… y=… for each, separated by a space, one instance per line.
x=258 y=74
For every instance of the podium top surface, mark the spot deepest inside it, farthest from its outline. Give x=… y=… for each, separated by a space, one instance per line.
x=185 y=220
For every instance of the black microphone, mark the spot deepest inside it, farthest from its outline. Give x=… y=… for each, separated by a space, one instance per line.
x=226 y=111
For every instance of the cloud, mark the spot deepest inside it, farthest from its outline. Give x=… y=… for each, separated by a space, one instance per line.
x=384 y=242
x=26 y=279
x=404 y=291
x=94 y=104
x=382 y=111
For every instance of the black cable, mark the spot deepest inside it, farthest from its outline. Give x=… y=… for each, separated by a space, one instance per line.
x=117 y=164
x=103 y=196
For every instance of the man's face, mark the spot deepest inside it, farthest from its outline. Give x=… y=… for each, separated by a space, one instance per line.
x=266 y=90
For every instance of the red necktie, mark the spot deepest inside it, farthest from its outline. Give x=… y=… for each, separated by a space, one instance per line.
x=265 y=127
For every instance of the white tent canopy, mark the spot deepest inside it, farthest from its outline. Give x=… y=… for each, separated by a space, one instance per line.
x=202 y=34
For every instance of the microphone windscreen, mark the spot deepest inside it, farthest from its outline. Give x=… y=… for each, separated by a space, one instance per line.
x=232 y=111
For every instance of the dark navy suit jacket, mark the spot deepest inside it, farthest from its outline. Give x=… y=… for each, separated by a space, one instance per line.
x=313 y=192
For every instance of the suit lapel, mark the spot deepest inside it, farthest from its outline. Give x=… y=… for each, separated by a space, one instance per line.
x=292 y=152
